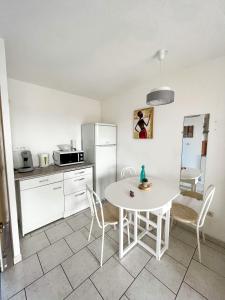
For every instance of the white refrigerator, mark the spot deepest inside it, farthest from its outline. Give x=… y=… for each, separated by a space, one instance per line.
x=99 y=146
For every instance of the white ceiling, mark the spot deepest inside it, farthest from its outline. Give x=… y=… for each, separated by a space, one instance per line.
x=96 y=48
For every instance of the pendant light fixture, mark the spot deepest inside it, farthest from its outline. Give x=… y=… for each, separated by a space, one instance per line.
x=163 y=95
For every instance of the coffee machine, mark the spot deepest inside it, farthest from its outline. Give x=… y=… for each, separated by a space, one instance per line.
x=27 y=162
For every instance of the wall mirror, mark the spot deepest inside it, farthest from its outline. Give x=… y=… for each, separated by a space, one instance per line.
x=194 y=154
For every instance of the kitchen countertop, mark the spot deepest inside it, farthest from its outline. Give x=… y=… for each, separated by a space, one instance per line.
x=52 y=169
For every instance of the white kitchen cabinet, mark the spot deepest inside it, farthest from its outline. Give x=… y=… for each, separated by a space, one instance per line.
x=78 y=173
x=75 y=190
x=41 y=205
x=45 y=199
x=39 y=181
x=75 y=203
x=77 y=184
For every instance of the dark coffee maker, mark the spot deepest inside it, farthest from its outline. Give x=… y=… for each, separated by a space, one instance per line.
x=27 y=162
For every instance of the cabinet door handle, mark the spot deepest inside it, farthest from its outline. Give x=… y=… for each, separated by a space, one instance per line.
x=82 y=172
x=80 y=194
x=79 y=179
x=57 y=188
x=43 y=180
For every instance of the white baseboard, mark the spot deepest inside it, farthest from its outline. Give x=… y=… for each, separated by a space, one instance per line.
x=17 y=259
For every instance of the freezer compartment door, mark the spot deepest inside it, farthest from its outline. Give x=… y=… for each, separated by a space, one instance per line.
x=105 y=134
x=105 y=168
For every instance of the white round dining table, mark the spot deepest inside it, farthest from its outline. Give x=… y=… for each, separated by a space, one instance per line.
x=157 y=201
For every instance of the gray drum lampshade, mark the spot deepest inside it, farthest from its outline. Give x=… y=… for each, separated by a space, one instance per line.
x=160 y=96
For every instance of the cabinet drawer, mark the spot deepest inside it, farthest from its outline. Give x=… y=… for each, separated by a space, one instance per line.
x=40 y=181
x=75 y=202
x=78 y=173
x=77 y=184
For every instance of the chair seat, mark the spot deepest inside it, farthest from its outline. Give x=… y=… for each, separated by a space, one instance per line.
x=191 y=202
x=184 y=213
x=110 y=212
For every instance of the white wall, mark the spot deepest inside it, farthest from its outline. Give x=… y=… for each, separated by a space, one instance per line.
x=199 y=90
x=42 y=118
x=8 y=154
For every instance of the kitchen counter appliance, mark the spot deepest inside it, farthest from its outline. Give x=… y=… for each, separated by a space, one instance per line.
x=27 y=162
x=64 y=158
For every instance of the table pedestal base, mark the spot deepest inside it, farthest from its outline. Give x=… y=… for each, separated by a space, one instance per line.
x=162 y=244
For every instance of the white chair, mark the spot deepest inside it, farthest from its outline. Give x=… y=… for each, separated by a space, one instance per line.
x=106 y=215
x=127 y=172
x=187 y=215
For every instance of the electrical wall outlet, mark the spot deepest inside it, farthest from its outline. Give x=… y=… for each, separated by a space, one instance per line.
x=210 y=214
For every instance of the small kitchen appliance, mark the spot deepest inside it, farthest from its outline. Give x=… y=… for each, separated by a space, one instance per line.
x=64 y=158
x=43 y=160
x=27 y=162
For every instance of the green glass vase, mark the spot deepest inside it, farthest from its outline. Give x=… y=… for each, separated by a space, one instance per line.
x=142 y=174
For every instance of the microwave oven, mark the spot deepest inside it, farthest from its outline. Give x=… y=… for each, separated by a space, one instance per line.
x=65 y=158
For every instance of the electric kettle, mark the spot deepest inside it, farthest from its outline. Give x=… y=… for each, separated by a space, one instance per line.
x=43 y=160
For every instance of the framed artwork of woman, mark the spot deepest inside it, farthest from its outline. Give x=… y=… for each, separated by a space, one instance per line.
x=143 y=123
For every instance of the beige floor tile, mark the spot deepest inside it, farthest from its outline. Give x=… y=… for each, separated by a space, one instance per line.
x=168 y=271
x=20 y=275
x=206 y=282
x=110 y=248
x=135 y=260
x=53 y=255
x=112 y=280
x=33 y=244
x=147 y=287
x=187 y=293
x=80 y=266
x=114 y=234
x=86 y=291
x=96 y=230
x=52 y=286
x=212 y=259
x=78 y=239
x=124 y=297
x=20 y=296
x=58 y=232
x=87 y=213
x=42 y=229
x=78 y=221
x=215 y=246
x=185 y=236
x=180 y=251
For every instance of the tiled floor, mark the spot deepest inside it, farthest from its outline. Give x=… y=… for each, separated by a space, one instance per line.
x=60 y=263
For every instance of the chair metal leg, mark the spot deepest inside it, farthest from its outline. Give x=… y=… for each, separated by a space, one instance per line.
x=199 y=250
x=92 y=221
x=171 y=222
x=203 y=236
x=147 y=217
x=102 y=248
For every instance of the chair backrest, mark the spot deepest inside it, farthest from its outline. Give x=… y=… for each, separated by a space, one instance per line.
x=127 y=172
x=208 y=197
x=95 y=203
